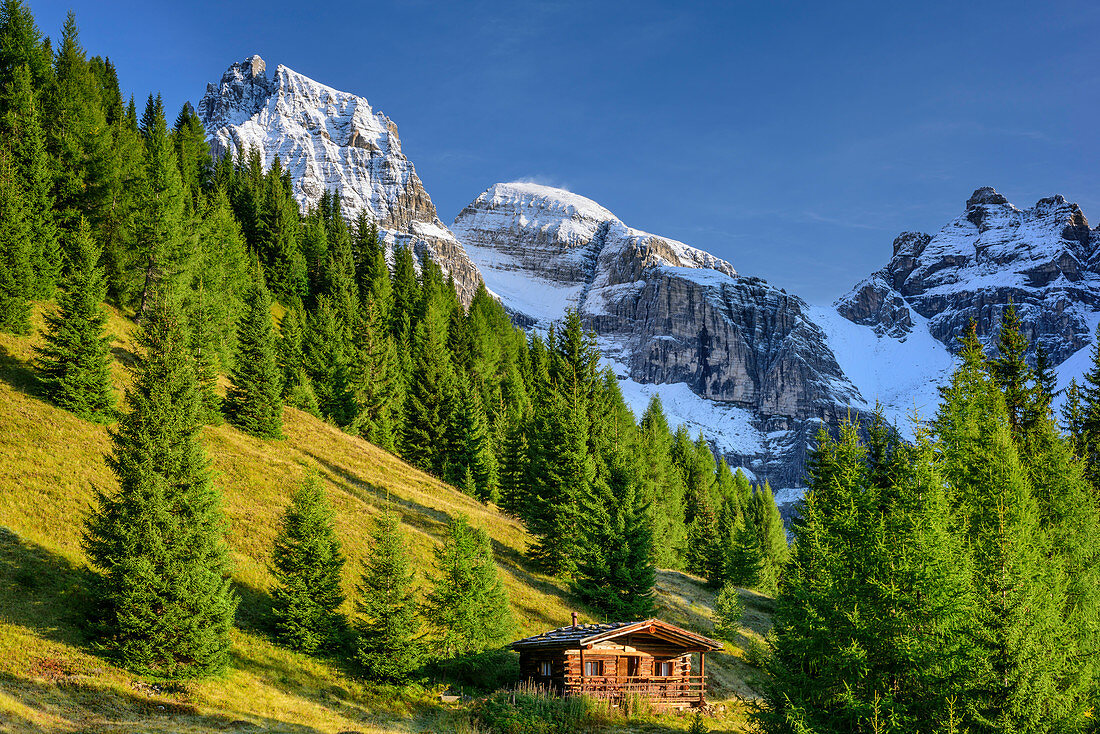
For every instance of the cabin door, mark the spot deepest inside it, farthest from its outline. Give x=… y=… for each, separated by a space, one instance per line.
x=629 y=667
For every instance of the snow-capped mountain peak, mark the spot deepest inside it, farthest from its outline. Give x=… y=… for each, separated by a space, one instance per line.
x=329 y=140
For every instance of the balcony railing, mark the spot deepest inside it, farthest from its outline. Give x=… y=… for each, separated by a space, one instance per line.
x=668 y=689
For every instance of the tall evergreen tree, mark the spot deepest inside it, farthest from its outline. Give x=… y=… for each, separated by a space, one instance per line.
x=388 y=617
x=297 y=389
x=166 y=606
x=21 y=127
x=1019 y=593
x=1010 y=369
x=307 y=563
x=160 y=238
x=16 y=274
x=467 y=606
x=254 y=399
x=872 y=627
x=75 y=360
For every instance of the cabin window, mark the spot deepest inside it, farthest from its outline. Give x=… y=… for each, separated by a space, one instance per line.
x=664 y=668
x=544 y=669
x=593 y=667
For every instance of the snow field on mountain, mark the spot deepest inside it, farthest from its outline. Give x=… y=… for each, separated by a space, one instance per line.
x=901 y=375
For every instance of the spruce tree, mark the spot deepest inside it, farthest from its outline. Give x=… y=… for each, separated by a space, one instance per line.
x=429 y=397
x=466 y=606
x=377 y=385
x=253 y=402
x=204 y=352
x=771 y=539
x=307 y=563
x=20 y=126
x=161 y=242
x=474 y=453
x=328 y=365
x=297 y=388
x=75 y=361
x=163 y=589
x=1019 y=593
x=1073 y=416
x=388 y=622
x=1010 y=369
x=728 y=610
x=16 y=273
x=1088 y=437
x=873 y=626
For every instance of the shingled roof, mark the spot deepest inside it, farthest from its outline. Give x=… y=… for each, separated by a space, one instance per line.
x=586 y=635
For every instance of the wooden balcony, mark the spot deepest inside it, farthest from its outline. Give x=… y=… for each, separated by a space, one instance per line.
x=661 y=690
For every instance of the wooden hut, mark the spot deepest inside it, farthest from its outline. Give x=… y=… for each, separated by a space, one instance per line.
x=651 y=659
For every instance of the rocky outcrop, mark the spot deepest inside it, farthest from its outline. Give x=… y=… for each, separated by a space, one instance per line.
x=1043 y=259
x=665 y=313
x=330 y=140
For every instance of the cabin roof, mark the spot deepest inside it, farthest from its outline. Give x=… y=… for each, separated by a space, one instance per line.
x=586 y=635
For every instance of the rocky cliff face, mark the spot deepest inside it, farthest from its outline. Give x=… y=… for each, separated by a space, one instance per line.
x=1043 y=259
x=331 y=140
x=667 y=315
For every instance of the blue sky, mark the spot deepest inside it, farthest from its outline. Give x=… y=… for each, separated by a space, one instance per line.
x=793 y=139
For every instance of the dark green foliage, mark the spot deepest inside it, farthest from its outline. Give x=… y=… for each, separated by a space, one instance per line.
x=388 y=621
x=157 y=543
x=16 y=271
x=327 y=364
x=21 y=129
x=1087 y=435
x=254 y=399
x=615 y=574
x=76 y=357
x=163 y=251
x=873 y=622
x=430 y=395
x=297 y=388
x=1010 y=369
x=467 y=606
x=728 y=610
x=307 y=563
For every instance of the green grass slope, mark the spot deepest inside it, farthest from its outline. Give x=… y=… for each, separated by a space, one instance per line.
x=51 y=465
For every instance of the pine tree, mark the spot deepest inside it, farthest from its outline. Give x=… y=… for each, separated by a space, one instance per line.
x=1073 y=416
x=166 y=606
x=664 y=484
x=328 y=365
x=467 y=606
x=474 y=452
x=161 y=241
x=278 y=234
x=76 y=358
x=1010 y=369
x=1088 y=436
x=375 y=380
x=21 y=127
x=728 y=610
x=873 y=626
x=253 y=402
x=297 y=389
x=77 y=135
x=16 y=274
x=429 y=396
x=1019 y=592
x=22 y=44
x=771 y=539
x=203 y=351
x=388 y=618
x=307 y=563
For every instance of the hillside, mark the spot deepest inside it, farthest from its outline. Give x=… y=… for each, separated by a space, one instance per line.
x=51 y=465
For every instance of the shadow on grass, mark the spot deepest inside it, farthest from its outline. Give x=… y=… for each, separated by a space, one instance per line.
x=20 y=374
x=42 y=591
x=93 y=706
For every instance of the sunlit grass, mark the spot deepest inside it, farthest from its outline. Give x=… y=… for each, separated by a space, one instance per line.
x=51 y=465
